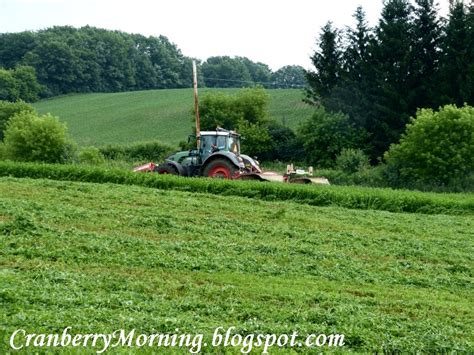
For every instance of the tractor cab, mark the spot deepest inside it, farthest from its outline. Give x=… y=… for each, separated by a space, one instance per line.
x=219 y=140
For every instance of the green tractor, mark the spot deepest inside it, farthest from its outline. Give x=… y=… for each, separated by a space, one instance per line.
x=218 y=156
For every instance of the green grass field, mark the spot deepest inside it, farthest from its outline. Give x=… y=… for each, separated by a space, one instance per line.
x=100 y=257
x=164 y=115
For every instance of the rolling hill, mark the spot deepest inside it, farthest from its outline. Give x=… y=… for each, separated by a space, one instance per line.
x=164 y=115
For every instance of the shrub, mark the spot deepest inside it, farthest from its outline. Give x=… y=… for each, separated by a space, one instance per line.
x=255 y=139
x=229 y=111
x=91 y=156
x=142 y=151
x=284 y=145
x=325 y=134
x=436 y=150
x=29 y=137
x=9 y=109
x=352 y=160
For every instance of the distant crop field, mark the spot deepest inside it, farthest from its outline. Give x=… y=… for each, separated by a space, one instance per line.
x=164 y=115
x=101 y=257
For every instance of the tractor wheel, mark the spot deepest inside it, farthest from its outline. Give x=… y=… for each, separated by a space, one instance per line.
x=220 y=169
x=166 y=169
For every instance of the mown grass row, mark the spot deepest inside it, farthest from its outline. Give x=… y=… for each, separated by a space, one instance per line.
x=347 y=197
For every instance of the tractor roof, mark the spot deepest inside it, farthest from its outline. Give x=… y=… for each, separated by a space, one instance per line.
x=219 y=132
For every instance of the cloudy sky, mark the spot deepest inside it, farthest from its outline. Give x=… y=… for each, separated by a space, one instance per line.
x=275 y=32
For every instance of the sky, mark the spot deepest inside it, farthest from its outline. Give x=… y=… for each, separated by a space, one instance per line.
x=274 y=32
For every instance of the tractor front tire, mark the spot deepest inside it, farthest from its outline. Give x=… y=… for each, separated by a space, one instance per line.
x=166 y=169
x=220 y=169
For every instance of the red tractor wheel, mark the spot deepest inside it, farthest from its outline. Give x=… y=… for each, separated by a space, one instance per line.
x=166 y=169
x=220 y=169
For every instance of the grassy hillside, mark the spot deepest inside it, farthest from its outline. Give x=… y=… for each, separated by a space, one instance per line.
x=105 y=257
x=165 y=115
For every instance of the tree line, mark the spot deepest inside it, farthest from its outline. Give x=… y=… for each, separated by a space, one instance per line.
x=380 y=76
x=88 y=59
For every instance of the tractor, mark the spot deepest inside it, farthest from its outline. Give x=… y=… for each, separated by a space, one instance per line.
x=218 y=156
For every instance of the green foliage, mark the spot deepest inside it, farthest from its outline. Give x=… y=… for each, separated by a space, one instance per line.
x=90 y=156
x=256 y=140
x=19 y=84
x=245 y=112
x=9 y=90
x=10 y=109
x=283 y=145
x=227 y=72
x=348 y=197
x=456 y=83
x=289 y=76
x=140 y=151
x=380 y=77
x=352 y=160
x=327 y=64
x=28 y=87
x=218 y=110
x=29 y=137
x=99 y=256
x=228 y=111
x=325 y=134
x=437 y=148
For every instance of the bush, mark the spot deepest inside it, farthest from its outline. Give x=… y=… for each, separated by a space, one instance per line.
x=9 y=109
x=142 y=151
x=437 y=149
x=91 y=156
x=325 y=134
x=229 y=111
x=32 y=138
x=255 y=139
x=284 y=145
x=352 y=160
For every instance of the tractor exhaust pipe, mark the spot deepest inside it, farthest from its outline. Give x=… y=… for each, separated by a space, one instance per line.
x=196 y=106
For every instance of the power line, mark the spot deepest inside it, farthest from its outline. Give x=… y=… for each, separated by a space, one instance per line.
x=270 y=83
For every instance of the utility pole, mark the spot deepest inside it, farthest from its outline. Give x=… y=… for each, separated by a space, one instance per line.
x=196 y=106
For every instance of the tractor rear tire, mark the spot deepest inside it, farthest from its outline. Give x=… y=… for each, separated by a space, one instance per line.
x=220 y=169
x=166 y=169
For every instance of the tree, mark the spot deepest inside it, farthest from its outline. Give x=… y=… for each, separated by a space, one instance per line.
x=426 y=54
x=288 y=77
x=29 y=137
x=355 y=91
x=260 y=73
x=28 y=87
x=9 y=89
x=325 y=134
x=437 y=148
x=8 y=110
x=246 y=112
x=229 y=111
x=457 y=61
x=327 y=64
x=393 y=64
x=226 y=72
